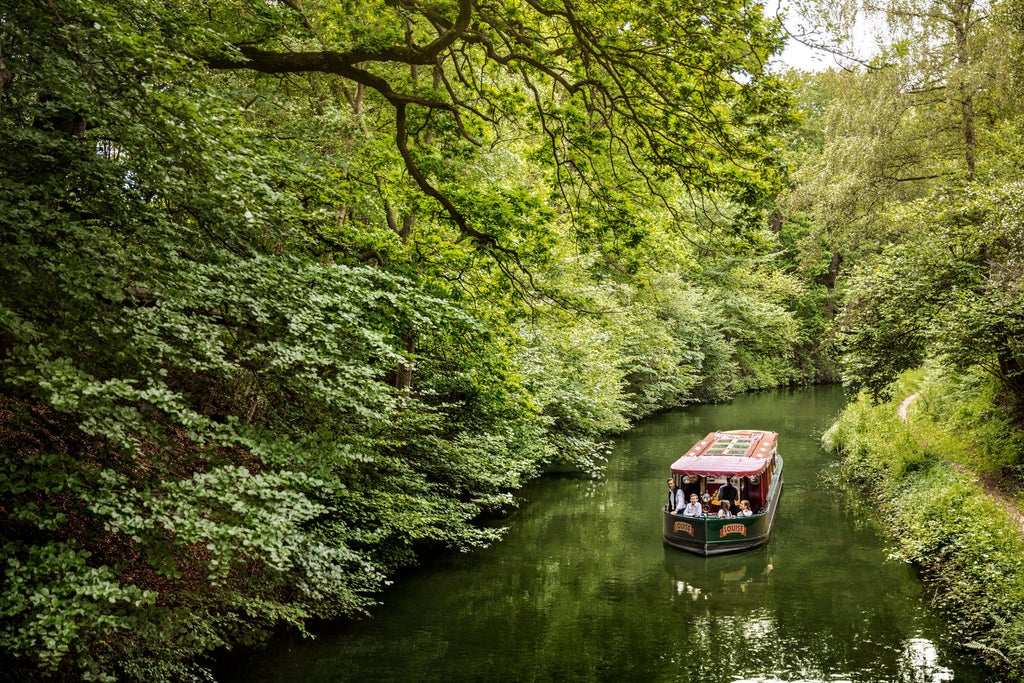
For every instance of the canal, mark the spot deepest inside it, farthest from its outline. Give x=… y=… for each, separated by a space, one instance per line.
x=582 y=589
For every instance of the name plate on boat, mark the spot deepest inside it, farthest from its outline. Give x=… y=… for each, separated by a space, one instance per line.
x=683 y=526
x=727 y=529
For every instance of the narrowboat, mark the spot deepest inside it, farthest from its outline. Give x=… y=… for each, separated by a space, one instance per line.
x=749 y=460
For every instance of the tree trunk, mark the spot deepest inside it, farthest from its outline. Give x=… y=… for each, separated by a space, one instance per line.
x=1012 y=376
x=961 y=18
x=5 y=76
x=830 y=284
x=403 y=373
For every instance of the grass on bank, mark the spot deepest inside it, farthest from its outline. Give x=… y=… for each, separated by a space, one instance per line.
x=924 y=478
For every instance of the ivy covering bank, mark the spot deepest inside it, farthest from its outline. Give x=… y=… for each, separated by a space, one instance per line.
x=924 y=477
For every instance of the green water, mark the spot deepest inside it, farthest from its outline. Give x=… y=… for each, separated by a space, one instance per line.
x=582 y=589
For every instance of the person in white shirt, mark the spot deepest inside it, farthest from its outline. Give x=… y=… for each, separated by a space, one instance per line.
x=693 y=508
x=745 y=510
x=724 y=511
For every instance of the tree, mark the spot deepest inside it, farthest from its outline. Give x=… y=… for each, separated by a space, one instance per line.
x=626 y=97
x=950 y=290
x=265 y=329
x=951 y=56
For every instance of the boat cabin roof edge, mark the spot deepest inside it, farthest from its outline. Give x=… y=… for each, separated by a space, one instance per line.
x=747 y=453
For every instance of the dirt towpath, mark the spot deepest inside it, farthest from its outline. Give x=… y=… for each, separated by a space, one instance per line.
x=988 y=481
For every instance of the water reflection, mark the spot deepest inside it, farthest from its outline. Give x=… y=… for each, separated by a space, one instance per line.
x=919 y=663
x=736 y=597
x=921 y=660
x=744 y=576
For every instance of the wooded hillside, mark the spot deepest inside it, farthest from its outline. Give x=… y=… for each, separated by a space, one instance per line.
x=912 y=184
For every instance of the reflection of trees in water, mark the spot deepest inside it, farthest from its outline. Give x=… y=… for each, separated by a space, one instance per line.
x=856 y=617
x=582 y=589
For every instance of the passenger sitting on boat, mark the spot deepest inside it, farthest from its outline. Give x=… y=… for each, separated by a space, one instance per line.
x=693 y=508
x=676 y=498
x=745 y=510
x=724 y=511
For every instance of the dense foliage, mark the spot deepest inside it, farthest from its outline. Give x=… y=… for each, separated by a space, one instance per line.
x=909 y=173
x=907 y=180
x=291 y=293
x=295 y=291
x=942 y=520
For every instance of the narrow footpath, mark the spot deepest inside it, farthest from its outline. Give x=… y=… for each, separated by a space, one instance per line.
x=989 y=481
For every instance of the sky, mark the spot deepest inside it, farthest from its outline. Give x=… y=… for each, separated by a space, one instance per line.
x=797 y=55
x=800 y=56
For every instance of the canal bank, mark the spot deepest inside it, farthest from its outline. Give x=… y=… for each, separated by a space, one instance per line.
x=926 y=472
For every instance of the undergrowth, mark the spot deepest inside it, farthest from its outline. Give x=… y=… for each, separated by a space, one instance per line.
x=923 y=477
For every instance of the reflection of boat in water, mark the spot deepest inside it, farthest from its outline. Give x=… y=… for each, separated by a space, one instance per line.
x=742 y=577
x=750 y=461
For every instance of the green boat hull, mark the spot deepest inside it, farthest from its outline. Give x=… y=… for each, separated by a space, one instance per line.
x=711 y=535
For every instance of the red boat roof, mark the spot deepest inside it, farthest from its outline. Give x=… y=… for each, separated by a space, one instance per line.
x=743 y=453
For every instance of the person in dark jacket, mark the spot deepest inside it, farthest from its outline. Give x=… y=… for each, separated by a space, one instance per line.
x=728 y=492
x=676 y=498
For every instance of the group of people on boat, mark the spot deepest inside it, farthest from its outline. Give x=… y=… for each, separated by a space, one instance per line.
x=728 y=500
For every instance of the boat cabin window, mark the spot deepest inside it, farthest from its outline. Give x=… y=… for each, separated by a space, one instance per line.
x=757 y=493
x=689 y=484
